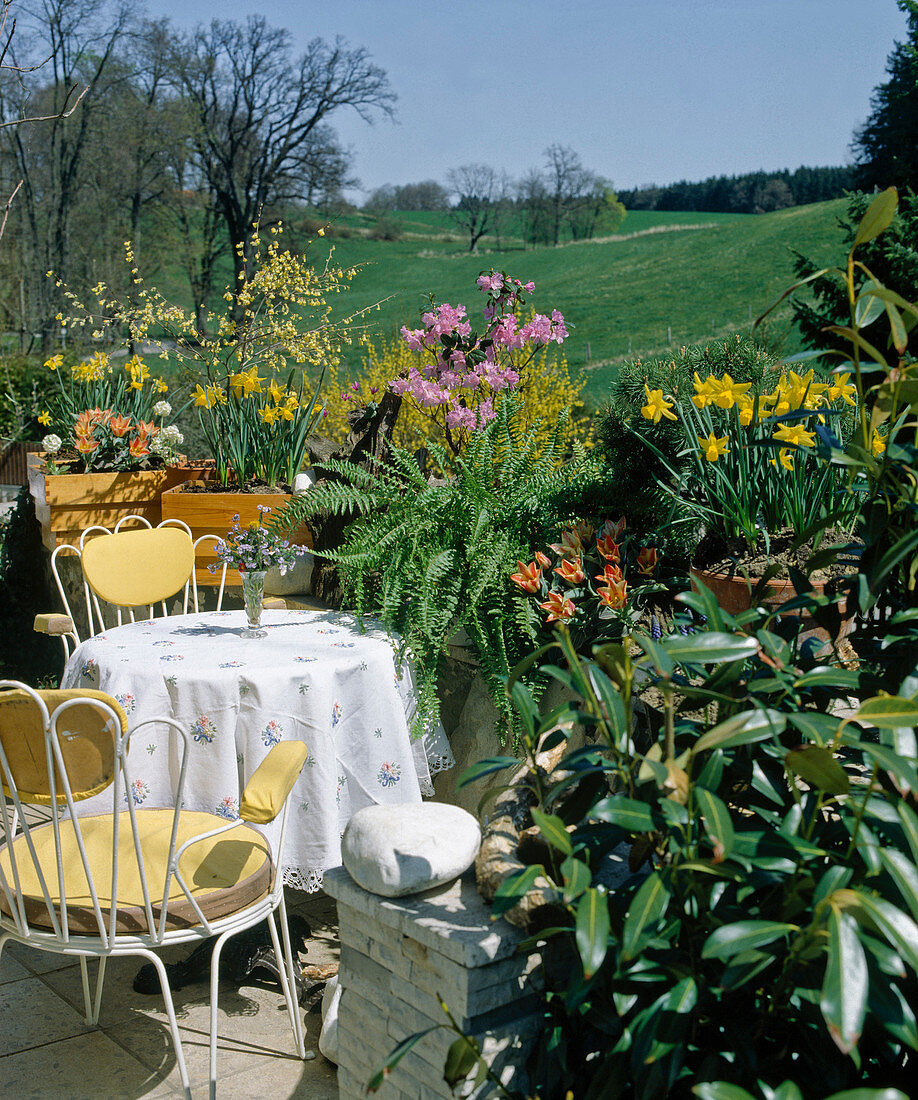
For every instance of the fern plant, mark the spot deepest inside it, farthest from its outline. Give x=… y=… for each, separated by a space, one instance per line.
x=431 y=557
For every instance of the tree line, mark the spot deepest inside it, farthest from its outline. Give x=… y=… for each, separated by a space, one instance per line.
x=182 y=141
x=751 y=193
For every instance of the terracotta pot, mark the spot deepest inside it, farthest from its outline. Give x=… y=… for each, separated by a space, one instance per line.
x=734 y=594
x=212 y=514
x=66 y=504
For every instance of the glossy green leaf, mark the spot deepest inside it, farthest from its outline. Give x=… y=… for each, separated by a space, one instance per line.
x=721 y=1090
x=900 y=768
x=879 y=216
x=742 y=729
x=900 y=930
x=888 y=711
x=905 y=875
x=787 y=1090
x=513 y=888
x=487 y=767
x=461 y=1059
x=868 y=1094
x=552 y=828
x=627 y=813
x=577 y=878
x=909 y=820
x=591 y=930
x=710 y=647
x=843 y=999
x=825 y=676
x=717 y=821
x=818 y=767
x=646 y=908
x=668 y=1022
x=743 y=935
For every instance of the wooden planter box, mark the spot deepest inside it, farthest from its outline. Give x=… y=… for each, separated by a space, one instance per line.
x=66 y=504
x=212 y=514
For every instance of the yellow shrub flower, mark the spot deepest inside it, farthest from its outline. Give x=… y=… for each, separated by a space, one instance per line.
x=712 y=447
x=657 y=406
x=796 y=435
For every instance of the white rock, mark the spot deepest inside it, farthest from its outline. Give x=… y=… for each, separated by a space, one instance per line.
x=328 y=1039
x=398 y=850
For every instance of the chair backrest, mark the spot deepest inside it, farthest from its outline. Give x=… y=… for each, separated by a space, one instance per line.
x=119 y=871
x=124 y=570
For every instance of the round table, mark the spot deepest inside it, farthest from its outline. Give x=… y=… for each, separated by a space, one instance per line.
x=319 y=676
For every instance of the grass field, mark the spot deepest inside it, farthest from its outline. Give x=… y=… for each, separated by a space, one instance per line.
x=683 y=278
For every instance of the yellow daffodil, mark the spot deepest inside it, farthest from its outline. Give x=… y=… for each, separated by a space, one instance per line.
x=159 y=386
x=712 y=447
x=203 y=398
x=796 y=435
x=55 y=362
x=44 y=418
x=270 y=414
x=246 y=382
x=657 y=406
x=877 y=444
x=729 y=392
x=276 y=392
x=786 y=458
x=706 y=391
x=841 y=389
x=745 y=410
x=798 y=387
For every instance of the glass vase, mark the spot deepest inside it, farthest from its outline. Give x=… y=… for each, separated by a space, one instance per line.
x=253 y=594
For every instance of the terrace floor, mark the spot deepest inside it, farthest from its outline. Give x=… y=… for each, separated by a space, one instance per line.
x=47 y=1050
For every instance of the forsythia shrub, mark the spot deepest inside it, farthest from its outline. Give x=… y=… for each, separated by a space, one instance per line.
x=548 y=388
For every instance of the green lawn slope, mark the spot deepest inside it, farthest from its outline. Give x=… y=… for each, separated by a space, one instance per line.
x=662 y=281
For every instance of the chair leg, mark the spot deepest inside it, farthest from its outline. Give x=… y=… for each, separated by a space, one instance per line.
x=87 y=996
x=170 y=1011
x=100 y=979
x=288 y=983
x=214 y=994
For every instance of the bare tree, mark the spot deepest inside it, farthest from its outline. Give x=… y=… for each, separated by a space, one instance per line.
x=476 y=189
x=258 y=114
x=72 y=45
x=565 y=174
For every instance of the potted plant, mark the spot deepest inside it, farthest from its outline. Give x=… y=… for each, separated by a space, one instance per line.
x=111 y=451
x=752 y=480
x=256 y=410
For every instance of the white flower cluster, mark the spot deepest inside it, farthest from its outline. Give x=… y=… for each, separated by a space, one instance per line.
x=51 y=444
x=162 y=408
x=167 y=441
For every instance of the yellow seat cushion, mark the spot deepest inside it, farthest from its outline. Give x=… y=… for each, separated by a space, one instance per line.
x=225 y=873
x=87 y=742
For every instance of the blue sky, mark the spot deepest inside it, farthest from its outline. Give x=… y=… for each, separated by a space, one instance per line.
x=644 y=90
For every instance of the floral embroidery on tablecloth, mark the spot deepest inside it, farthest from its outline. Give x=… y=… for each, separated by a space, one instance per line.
x=203 y=730
x=171 y=681
x=151 y=749
x=272 y=733
x=343 y=645
x=244 y=689
x=90 y=671
x=304 y=687
x=342 y=779
x=377 y=732
x=140 y=791
x=127 y=701
x=232 y=664
x=304 y=660
x=164 y=641
x=304 y=807
x=227 y=808
x=336 y=714
x=389 y=774
x=172 y=657
x=363 y=666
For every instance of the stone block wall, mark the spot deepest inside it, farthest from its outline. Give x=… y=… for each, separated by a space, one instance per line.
x=398 y=957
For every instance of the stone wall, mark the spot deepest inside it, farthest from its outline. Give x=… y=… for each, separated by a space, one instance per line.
x=398 y=957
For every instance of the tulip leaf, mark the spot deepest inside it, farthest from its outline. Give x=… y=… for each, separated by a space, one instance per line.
x=818 y=767
x=591 y=930
x=646 y=908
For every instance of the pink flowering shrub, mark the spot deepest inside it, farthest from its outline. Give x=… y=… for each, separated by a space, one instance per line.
x=468 y=369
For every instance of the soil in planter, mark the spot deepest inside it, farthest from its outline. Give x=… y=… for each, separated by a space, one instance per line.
x=68 y=460
x=254 y=485
x=718 y=555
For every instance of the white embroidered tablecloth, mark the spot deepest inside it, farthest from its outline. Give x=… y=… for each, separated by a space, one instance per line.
x=315 y=678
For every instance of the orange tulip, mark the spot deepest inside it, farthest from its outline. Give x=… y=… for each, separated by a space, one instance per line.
x=571 y=571
x=529 y=577
x=647 y=560
x=137 y=448
x=608 y=547
x=559 y=608
x=147 y=430
x=120 y=425
x=614 y=594
x=543 y=559
x=570 y=546
x=611 y=574
x=612 y=530
x=85 y=444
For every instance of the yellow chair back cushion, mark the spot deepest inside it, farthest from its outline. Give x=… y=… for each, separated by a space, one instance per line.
x=138 y=567
x=87 y=740
x=266 y=792
x=224 y=873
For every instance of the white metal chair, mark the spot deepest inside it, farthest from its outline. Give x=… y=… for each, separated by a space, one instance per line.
x=126 y=570
x=131 y=880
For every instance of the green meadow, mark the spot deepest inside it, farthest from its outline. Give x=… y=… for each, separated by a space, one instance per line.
x=663 y=280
